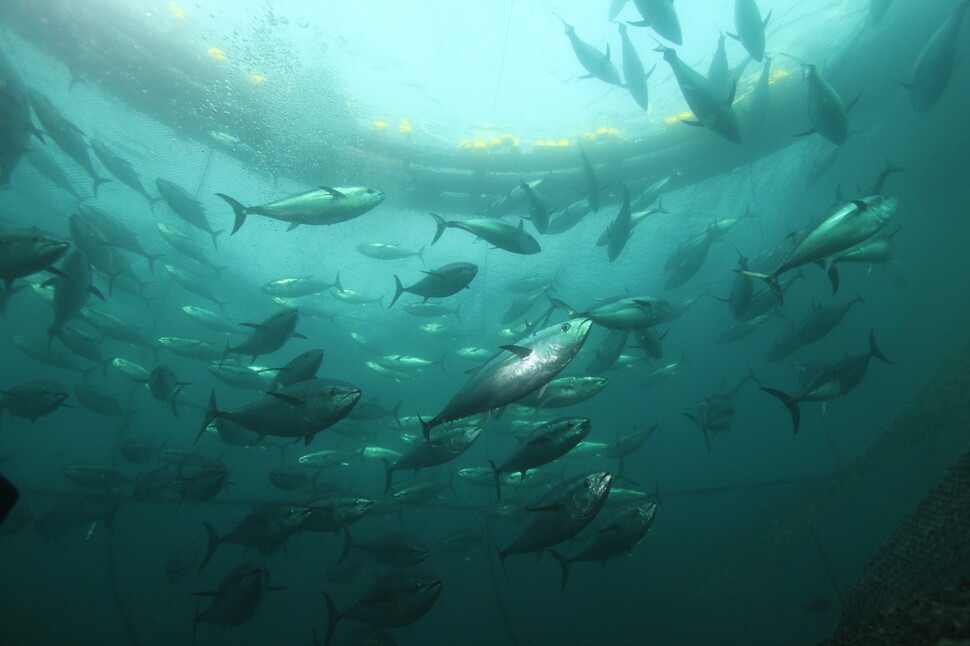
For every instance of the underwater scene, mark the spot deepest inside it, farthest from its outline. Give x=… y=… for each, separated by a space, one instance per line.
x=519 y=322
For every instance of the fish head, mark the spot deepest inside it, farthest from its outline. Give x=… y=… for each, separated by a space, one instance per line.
x=373 y=197
x=589 y=492
x=418 y=592
x=558 y=344
x=575 y=428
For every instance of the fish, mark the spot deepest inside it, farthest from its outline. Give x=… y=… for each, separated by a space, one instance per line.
x=750 y=27
x=129 y=369
x=718 y=72
x=546 y=443
x=441 y=282
x=190 y=348
x=66 y=135
x=592 y=182
x=16 y=127
x=295 y=287
x=759 y=101
x=270 y=335
x=187 y=247
x=440 y=448
x=616 y=6
x=396 y=549
x=51 y=170
x=78 y=515
x=530 y=284
x=473 y=354
x=516 y=371
x=115 y=327
x=622 y=312
x=99 y=401
x=122 y=170
x=495 y=232
x=238 y=597
x=431 y=310
x=812 y=328
x=663 y=373
x=461 y=542
x=650 y=341
x=193 y=283
x=384 y=251
x=302 y=367
x=72 y=288
x=728 y=390
x=619 y=230
x=848 y=226
x=817 y=382
x=165 y=386
x=89 y=242
x=539 y=211
x=135 y=450
x=24 y=252
x=210 y=320
x=851 y=370
x=565 y=391
x=95 y=476
x=266 y=528
x=321 y=206
x=396 y=599
x=634 y=77
x=33 y=399
x=662 y=17
x=711 y=109
x=116 y=232
x=636 y=217
x=827 y=112
x=569 y=217
x=561 y=513
x=619 y=535
x=713 y=414
x=596 y=64
x=936 y=61
x=186 y=207
x=299 y=411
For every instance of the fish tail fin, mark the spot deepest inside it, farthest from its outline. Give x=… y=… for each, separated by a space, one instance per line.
x=238 y=209
x=771 y=280
x=790 y=403
x=570 y=312
x=563 y=565
x=398 y=290
x=753 y=376
x=498 y=481
x=874 y=349
x=98 y=181
x=426 y=427
x=622 y=473
x=212 y=413
x=702 y=427
x=348 y=545
x=833 y=274
x=501 y=558
x=441 y=225
x=396 y=413
x=333 y=618
x=210 y=549
x=215 y=238
x=388 y=475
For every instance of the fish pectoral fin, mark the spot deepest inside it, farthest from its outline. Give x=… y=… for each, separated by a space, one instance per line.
x=810 y=131
x=553 y=507
x=472 y=371
x=518 y=350
x=334 y=192
x=586 y=76
x=293 y=226
x=692 y=123
x=97 y=292
x=293 y=401
x=276 y=588
x=207 y=594
x=860 y=206
x=252 y=325
x=297 y=335
x=734 y=36
x=611 y=528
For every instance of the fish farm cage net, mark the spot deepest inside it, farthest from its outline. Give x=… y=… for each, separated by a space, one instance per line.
x=916 y=589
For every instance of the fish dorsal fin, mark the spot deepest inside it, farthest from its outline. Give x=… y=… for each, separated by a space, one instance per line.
x=517 y=350
x=334 y=192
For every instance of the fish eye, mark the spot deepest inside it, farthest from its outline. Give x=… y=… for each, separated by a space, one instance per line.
x=565 y=327
x=370 y=191
x=586 y=484
x=416 y=585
